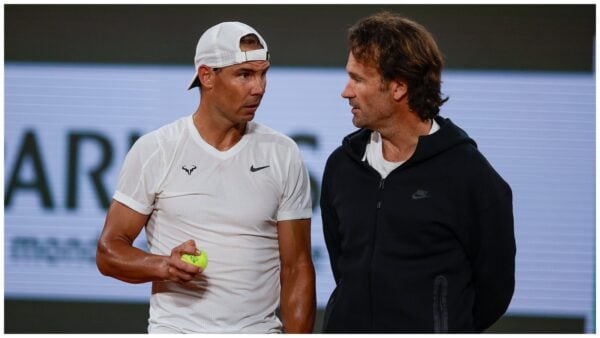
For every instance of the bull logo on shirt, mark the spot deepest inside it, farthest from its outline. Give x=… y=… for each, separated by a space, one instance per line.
x=188 y=170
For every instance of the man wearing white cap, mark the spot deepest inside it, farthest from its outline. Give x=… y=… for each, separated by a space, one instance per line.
x=219 y=182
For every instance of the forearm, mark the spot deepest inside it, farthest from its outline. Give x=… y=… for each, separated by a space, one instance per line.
x=298 y=300
x=121 y=260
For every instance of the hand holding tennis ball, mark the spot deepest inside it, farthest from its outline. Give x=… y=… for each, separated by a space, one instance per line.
x=200 y=259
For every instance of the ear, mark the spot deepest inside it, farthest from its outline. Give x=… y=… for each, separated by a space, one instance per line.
x=399 y=89
x=206 y=76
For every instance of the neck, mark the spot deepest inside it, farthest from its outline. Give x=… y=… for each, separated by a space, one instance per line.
x=217 y=131
x=400 y=137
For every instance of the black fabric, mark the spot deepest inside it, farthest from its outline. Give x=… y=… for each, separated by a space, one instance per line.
x=438 y=230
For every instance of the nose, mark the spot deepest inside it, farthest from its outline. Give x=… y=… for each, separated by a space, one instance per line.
x=347 y=93
x=259 y=86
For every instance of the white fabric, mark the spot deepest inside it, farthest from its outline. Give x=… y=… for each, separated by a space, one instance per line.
x=252 y=55
x=230 y=211
x=374 y=153
x=219 y=46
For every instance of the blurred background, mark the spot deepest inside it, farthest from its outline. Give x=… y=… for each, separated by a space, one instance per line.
x=83 y=82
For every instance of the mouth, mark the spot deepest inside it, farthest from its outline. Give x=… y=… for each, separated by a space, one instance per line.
x=251 y=106
x=354 y=108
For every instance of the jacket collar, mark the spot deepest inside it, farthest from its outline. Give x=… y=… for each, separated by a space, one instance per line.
x=448 y=136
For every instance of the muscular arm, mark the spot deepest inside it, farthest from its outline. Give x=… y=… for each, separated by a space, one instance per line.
x=298 y=300
x=117 y=257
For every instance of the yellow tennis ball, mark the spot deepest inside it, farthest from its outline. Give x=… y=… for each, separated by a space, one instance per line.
x=199 y=260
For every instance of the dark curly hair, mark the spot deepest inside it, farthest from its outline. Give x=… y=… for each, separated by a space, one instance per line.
x=402 y=49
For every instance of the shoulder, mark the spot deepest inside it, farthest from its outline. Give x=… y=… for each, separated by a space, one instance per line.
x=266 y=136
x=471 y=159
x=167 y=134
x=352 y=149
x=337 y=156
x=479 y=175
x=174 y=130
x=155 y=145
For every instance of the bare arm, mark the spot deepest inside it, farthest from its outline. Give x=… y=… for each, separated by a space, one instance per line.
x=298 y=300
x=117 y=257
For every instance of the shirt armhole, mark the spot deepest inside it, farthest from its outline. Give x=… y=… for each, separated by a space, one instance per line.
x=131 y=203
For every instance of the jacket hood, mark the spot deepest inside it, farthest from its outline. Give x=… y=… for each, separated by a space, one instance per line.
x=448 y=136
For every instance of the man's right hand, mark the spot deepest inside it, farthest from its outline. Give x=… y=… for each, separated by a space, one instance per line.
x=179 y=271
x=117 y=257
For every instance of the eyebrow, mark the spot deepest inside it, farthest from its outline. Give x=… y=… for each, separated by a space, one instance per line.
x=250 y=69
x=354 y=75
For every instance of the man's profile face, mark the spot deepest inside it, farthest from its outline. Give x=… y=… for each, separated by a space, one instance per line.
x=366 y=92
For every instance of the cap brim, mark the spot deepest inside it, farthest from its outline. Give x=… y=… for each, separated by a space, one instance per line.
x=195 y=82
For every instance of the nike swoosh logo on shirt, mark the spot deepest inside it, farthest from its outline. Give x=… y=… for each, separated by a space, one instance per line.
x=252 y=169
x=420 y=194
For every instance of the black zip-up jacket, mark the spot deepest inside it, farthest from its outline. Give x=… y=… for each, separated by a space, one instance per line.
x=430 y=248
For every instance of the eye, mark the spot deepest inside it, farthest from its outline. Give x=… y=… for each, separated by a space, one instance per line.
x=245 y=75
x=355 y=78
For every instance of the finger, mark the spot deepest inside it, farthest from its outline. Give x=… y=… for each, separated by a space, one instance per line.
x=183 y=266
x=190 y=246
x=182 y=249
x=180 y=276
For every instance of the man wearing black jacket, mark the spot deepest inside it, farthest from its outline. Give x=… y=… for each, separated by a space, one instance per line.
x=418 y=225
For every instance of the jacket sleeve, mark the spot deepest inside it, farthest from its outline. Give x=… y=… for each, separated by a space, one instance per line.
x=330 y=223
x=493 y=260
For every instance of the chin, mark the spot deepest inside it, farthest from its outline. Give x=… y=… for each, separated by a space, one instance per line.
x=358 y=123
x=248 y=118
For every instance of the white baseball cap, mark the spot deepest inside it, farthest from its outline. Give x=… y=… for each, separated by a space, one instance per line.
x=219 y=47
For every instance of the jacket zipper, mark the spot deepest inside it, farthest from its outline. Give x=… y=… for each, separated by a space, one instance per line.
x=379 y=197
x=374 y=240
